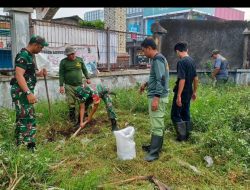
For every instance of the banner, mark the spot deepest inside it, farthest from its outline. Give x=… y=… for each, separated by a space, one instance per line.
x=50 y=58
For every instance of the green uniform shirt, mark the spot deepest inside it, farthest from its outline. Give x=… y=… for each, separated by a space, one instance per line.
x=70 y=72
x=25 y=60
x=159 y=77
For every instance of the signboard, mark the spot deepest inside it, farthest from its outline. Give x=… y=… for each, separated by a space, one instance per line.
x=149 y=22
x=50 y=58
x=134 y=36
x=134 y=27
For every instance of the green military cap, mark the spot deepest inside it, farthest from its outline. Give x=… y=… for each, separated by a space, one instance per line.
x=215 y=52
x=39 y=40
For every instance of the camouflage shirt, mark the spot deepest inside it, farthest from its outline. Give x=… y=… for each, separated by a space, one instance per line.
x=25 y=60
x=84 y=93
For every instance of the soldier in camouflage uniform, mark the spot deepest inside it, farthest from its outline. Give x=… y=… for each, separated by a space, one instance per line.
x=22 y=91
x=89 y=95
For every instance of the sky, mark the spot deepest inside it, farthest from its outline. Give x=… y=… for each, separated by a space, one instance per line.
x=64 y=12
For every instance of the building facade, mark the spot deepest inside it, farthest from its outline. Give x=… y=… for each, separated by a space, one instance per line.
x=139 y=20
x=94 y=15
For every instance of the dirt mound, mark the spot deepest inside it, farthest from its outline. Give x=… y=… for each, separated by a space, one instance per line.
x=93 y=127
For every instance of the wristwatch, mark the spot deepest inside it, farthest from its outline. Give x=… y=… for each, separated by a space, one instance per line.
x=27 y=92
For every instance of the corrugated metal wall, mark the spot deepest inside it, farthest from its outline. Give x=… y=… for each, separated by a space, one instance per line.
x=59 y=35
x=229 y=14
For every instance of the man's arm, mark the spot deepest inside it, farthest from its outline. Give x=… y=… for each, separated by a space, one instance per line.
x=215 y=72
x=196 y=80
x=159 y=69
x=82 y=111
x=217 y=66
x=23 y=84
x=93 y=110
x=180 y=89
x=84 y=70
x=142 y=87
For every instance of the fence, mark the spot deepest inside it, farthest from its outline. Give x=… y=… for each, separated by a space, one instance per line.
x=105 y=49
x=5 y=44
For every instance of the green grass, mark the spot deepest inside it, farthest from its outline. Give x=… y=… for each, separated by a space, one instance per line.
x=221 y=120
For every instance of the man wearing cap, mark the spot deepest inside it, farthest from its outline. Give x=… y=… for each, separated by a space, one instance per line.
x=88 y=95
x=220 y=72
x=22 y=91
x=70 y=75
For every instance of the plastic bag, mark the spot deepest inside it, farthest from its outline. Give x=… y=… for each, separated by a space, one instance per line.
x=125 y=143
x=209 y=161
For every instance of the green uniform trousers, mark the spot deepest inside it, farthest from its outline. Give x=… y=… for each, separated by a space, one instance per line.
x=157 y=117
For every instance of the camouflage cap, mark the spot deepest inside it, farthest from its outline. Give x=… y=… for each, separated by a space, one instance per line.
x=38 y=40
x=215 y=52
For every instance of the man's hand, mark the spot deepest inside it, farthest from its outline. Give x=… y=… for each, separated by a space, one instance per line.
x=83 y=124
x=62 y=90
x=194 y=96
x=42 y=72
x=88 y=81
x=178 y=101
x=45 y=73
x=155 y=103
x=31 y=98
x=142 y=88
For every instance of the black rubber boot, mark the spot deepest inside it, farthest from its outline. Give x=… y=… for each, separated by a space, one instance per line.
x=146 y=148
x=155 y=148
x=72 y=115
x=31 y=147
x=181 y=131
x=189 y=128
x=114 y=125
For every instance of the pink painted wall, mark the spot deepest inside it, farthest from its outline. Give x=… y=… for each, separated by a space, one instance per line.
x=229 y=14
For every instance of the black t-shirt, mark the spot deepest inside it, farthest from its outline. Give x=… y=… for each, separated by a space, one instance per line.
x=186 y=69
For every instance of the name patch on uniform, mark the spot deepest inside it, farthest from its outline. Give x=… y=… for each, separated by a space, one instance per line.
x=78 y=65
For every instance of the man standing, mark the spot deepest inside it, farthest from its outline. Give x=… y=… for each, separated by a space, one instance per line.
x=183 y=91
x=88 y=95
x=22 y=91
x=157 y=87
x=70 y=75
x=220 y=72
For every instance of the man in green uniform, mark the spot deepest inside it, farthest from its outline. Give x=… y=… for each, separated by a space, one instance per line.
x=87 y=95
x=70 y=75
x=22 y=91
x=157 y=87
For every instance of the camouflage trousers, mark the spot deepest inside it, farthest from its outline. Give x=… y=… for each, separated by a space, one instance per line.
x=108 y=103
x=25 y=116
x=109 y=106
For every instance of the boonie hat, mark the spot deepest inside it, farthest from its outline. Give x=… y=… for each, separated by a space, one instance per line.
x=69 y=50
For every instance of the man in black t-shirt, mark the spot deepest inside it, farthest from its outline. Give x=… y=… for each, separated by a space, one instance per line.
x=184 y=90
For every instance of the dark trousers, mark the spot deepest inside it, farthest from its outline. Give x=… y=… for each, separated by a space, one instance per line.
x=179 y=114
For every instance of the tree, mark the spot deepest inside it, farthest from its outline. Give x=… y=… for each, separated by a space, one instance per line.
x=98 y=24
